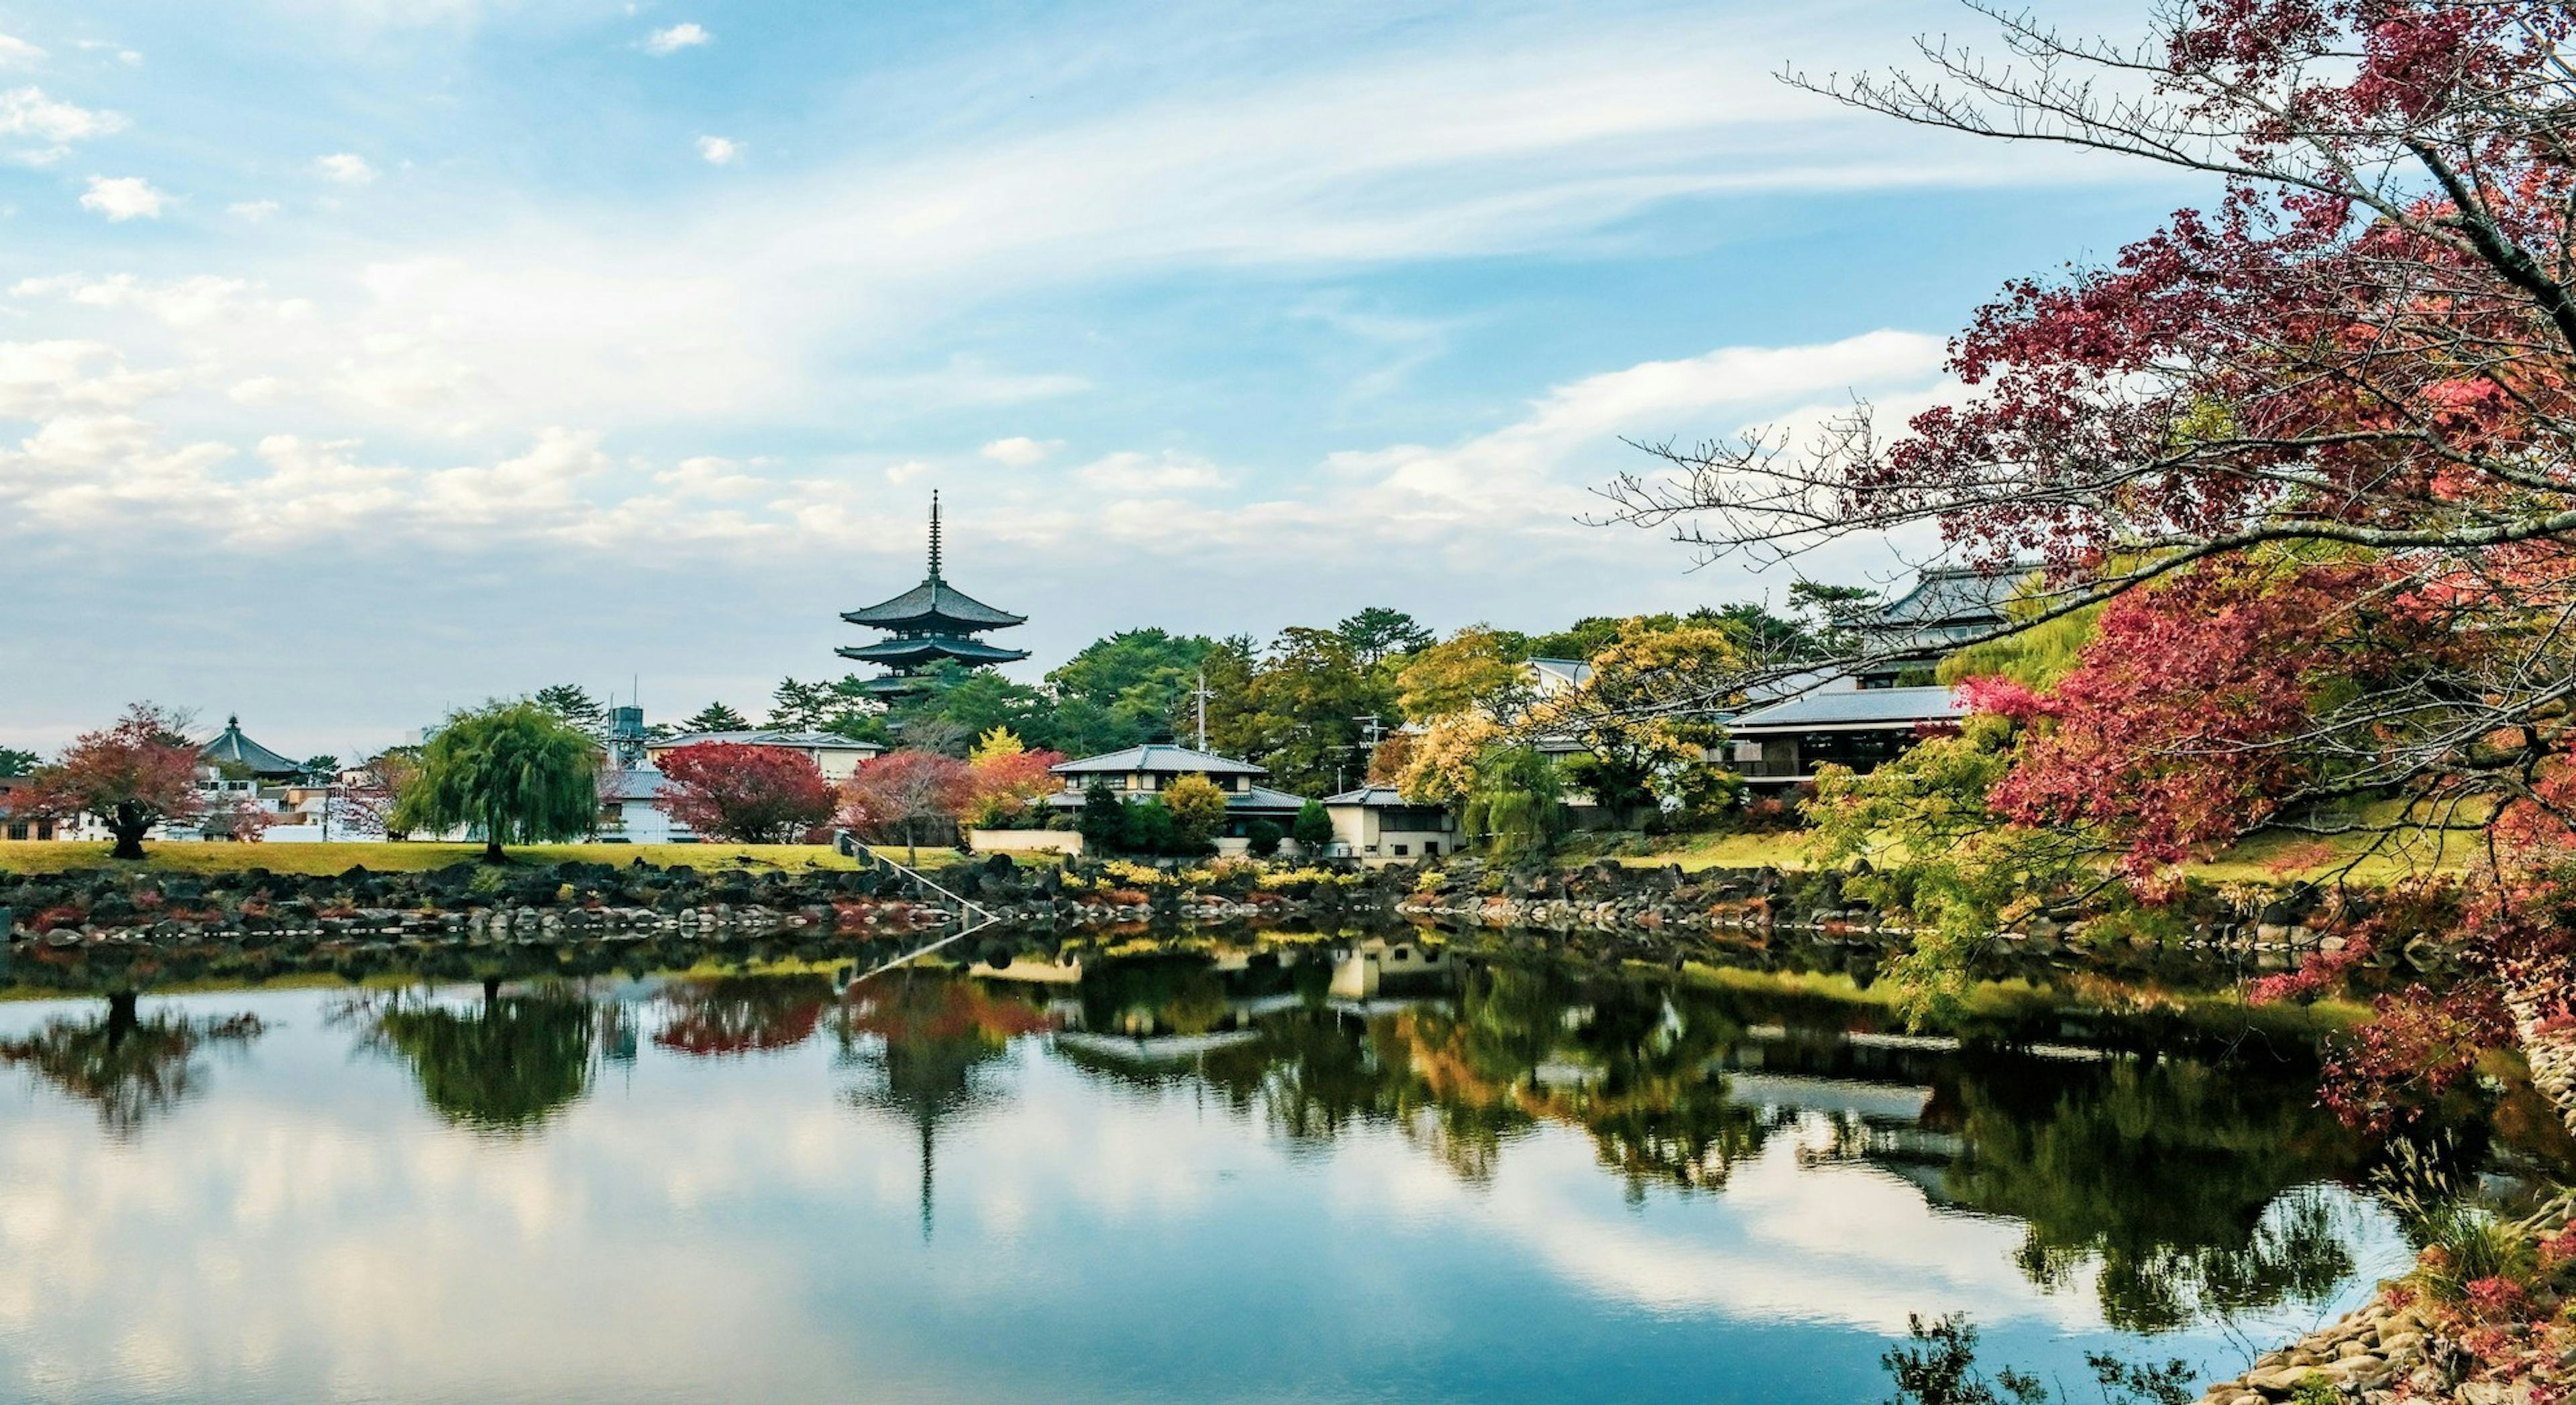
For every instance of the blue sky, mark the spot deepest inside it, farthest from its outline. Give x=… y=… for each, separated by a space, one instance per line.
x=360 y=358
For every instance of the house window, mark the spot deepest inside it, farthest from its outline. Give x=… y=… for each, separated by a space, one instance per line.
x=1400 y=851
x=17 y=831
x=1431 y=848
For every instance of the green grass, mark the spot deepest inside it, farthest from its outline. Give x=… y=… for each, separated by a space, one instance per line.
x=31 y=857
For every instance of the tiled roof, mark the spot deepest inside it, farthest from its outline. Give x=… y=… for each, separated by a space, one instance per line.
x=1950 y=594
x=1857 y=707
x=1262 y=797
x=934 y=599
x=1158 y=757
x=1375 y=796
x=232 y=746
x=638 y=783
x=803 y=741
x=937 y=646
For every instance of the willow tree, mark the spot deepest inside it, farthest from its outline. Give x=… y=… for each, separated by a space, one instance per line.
x=515 y=771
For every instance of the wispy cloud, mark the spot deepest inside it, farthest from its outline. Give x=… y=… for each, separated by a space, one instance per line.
x=719 y=151
x=18 y=53
x=345 y=168
x=28 y=112
x=662 y=43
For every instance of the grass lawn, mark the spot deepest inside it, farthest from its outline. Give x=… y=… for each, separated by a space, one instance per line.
x=30 y=856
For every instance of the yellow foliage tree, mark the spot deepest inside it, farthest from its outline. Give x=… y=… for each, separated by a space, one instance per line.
x=1442 y=769
x=1198 y=810
x=997 y=744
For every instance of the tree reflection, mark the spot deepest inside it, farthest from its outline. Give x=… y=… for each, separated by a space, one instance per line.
x=507 y=1066
x=131 y=1068
x=742 y=1014
x=2167 y=1174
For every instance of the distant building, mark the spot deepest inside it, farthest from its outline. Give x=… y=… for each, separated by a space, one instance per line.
x=629 y=811
x=1861 y=728
x=1375 y=825
x=1144 y=772
x=17 y=827
x=1907 y=637
x=834 y=755
x=233 y=752
x=931 y=622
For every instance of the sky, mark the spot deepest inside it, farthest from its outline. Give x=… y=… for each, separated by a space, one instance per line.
x=362 y=359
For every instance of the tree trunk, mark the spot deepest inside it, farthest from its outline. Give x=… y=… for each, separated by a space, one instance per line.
x=492 y=852
x=912 y=843
x=129 y=829
x=121 y=1017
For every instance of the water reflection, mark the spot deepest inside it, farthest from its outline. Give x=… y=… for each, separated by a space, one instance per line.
x=1373 y=1175
x=131 y=1068
x=505 y=1065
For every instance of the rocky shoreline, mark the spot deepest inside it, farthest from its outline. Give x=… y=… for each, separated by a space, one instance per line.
x=2372 y=1354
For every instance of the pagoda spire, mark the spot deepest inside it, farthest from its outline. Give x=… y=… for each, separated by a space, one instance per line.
x=934 y=534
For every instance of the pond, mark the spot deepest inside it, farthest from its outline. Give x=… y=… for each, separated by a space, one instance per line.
x=1298 y=1175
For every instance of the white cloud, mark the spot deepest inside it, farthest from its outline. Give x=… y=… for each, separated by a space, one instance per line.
x=345 y=167
x=254 y=211
x=27 y=112
x=18 y=53
x=719 y=151
x=53 y=379
x=1020 y=451
x=665 y=42
x=123 y=198
x=181 y=302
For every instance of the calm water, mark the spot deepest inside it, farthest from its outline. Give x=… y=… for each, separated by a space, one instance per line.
x=1168 y=1183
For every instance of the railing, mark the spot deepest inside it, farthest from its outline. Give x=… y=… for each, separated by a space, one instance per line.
x=975 y=916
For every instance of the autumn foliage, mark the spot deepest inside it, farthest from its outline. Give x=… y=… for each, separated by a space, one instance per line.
x=748 y=794
x=137 y=774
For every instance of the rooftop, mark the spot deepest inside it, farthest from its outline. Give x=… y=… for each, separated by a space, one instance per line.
x=637 y=783
x=1853 y=708
x=1950 y=594
x=1374 y=797
x=803 y=741
x=1161 y=758
x=234 y=748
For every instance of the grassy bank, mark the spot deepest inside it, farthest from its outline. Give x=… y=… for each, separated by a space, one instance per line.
x=28 y=857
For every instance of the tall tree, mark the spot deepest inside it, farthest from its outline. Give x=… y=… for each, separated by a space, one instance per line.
x=1301 y=711
x=14 y=762
x=1378 y=633
x=715 y=717
x=137 y=774
x=513 y=770
x=574 y=704
x=1479 y=668
x=749 y=794
x=1126 y=688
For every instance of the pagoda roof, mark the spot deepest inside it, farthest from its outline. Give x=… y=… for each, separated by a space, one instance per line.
x=924 y=649
x=934 y=602
x=240 y=750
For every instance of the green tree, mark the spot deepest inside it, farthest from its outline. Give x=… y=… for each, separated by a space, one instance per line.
x=1516 y=804
x=513 y=770
x=14 y=762
x=1299 y=711
x=1127 y=688
x=1146 y=827
x=842 y=707
x=574 y=704
x=1378 y=633
x=715 y=717
x=1103 y=821
x=1198 y=813
x=1313 y=827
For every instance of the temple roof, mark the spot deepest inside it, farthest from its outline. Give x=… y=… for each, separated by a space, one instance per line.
x=233 y=747
x=934 y=603
x=926 y=648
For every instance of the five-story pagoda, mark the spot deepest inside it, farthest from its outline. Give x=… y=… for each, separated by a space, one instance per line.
x=930 y=622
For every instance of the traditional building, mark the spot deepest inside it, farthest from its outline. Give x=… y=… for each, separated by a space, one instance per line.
x=1143 y=772
x=836 y=756
x=931 y=622
x=1905 y=639
x=1860 y=728
x=247 y=759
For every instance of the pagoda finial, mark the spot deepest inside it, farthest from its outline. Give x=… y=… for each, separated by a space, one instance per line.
x=934 y=534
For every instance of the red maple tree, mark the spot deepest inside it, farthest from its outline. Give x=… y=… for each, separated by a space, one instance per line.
x=905 y=795
x=134 y=775
x=748 y=794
